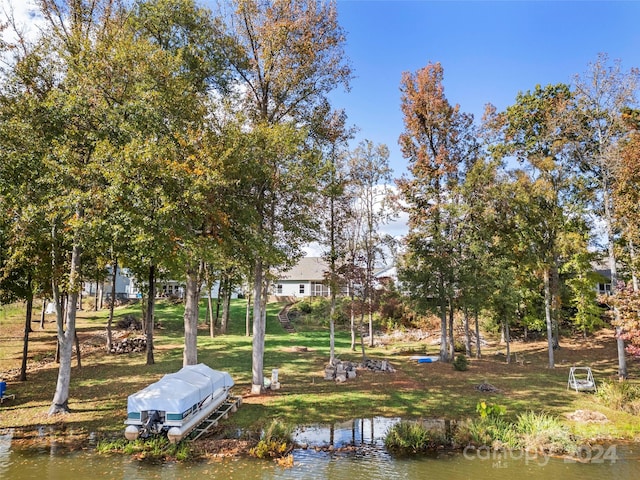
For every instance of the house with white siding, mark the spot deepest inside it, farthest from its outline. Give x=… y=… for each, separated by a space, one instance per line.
x=308 y=279
x=305 y=279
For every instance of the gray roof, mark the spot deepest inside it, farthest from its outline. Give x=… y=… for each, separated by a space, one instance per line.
x=308 y=268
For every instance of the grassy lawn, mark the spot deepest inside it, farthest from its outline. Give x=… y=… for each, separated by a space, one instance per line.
x=100 y=388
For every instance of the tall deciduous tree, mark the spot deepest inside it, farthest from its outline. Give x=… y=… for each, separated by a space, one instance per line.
x=536 y=132
x=336 y=210
x=371 y=177
x=601 y=96
x=437 y=141
x=63 y=71
x=288 y=55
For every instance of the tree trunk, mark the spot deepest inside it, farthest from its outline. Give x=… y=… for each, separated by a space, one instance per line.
x=547 y=313
x=95 y=305
x=151 y=298
x=247 y=320
x=219 y=297
x=555 y=301
x=608 y=209
x=226 y=304
x=114 y=274
x=27 y=330
x=66 y=336
x=478 y=348
x=212 y=330
x=257 y=373
x=444 y=351
x=452 y=340
x=352 y=318
x=43 y=314
x=78 y=352
x=364 y=355
x=467 y=334
x=332 y=328
x=191 y=313
x=507 y=338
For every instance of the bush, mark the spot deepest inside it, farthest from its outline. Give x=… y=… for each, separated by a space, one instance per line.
x=485 y=410
x=461 y=363
x=542 y=432
x=156 y=448
x=620 y=396
x=410 y=437
x=304 y=307
x=275 y=442
x=532 y=431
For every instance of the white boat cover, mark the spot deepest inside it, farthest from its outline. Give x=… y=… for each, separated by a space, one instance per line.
x=178 y=392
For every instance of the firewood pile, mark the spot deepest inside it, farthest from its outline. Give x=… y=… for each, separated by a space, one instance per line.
x=129 y=345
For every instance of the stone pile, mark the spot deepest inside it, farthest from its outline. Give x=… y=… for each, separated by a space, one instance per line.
x=377 y=366
x=487 y=387
x=340 y=372
x=129 y=345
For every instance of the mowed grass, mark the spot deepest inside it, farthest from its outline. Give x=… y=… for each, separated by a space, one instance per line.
x=99 y=389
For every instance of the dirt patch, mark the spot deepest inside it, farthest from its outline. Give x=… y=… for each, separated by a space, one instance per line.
x=297 y=349
x=224 y=447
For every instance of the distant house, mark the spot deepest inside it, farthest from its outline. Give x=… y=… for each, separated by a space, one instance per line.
x=127 y=287
x=604 y=283
x=307 y=279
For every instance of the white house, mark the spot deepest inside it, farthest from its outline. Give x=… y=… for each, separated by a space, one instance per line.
x=127 y=287
x=305 y=279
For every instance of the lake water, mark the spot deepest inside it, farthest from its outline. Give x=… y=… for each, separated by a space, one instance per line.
x=350 y=451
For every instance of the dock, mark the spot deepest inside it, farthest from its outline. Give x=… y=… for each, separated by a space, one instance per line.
x=230 y=405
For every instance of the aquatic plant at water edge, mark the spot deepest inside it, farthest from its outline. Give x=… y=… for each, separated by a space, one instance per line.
x=412 y=437
x=153 y=448
x=275 y=441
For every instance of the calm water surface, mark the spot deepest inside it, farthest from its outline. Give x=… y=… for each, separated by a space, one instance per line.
x=369 y=461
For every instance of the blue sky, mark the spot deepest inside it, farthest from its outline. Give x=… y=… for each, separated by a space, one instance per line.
x=490 y=50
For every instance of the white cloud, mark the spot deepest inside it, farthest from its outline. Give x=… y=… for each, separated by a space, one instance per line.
x=24 y=15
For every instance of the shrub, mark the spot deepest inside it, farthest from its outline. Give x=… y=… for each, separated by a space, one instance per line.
x=410 y=437
x=485 y=410
x=542 y=432
x=154 y=448
x=532 y=431
x=461 y=363
x=620 y=396
x=495 y=432
x=275 y=441
x=304 y=307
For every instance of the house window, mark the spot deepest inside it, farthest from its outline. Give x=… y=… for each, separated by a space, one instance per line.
x=301 y=290
x=604 y=288
x=279 y=289
x=319 y=290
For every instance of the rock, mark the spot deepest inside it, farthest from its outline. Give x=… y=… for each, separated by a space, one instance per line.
x=587 y=416
x=487 y=387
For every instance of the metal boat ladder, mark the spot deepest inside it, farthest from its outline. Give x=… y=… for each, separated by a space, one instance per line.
x=231 y=404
